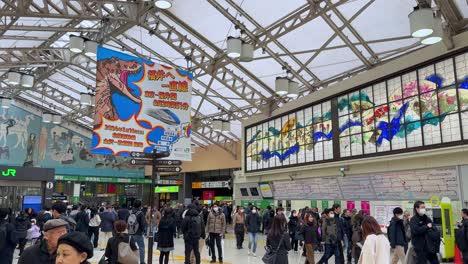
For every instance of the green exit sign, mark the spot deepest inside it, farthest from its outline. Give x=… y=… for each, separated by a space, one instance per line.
x=9 y=172
x=166 y=189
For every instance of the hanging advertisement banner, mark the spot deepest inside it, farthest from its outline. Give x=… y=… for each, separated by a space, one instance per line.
x=141 y=106
x=350 y=205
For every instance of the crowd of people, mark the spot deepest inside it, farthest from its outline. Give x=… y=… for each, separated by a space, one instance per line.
x=61 y=235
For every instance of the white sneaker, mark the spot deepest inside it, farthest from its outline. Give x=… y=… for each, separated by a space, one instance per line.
x=255 y=255
x=248 y=252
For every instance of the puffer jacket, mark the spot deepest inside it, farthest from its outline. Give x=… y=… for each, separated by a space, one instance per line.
x=216 y=223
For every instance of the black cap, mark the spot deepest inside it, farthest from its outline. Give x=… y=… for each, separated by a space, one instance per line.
x=79 y=241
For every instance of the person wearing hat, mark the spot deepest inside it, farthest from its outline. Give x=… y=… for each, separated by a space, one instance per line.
x=45 y=251
x=74 y=248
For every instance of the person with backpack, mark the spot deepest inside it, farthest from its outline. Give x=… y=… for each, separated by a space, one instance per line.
x=193 y=229
x=44 y=215
x=114 y=248
x=82 y=220
x=396 y=236
x=22 y=224
x=425 y=238
x=136 y=226
x=107 y=225
x=252 y=222
x=167 y=230
x=461 y=235
x=59 y=211
x=330 y=233
x=215 y=227
x=8 y=239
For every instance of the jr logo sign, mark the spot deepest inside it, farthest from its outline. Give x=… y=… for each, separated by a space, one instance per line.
x=9 y=172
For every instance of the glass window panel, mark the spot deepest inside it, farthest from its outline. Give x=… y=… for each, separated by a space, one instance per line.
x=395 y=109
x=259 y=163
x=318 y=151
x=293 y=159
x=356 y=145
x=308 y=116
x=368 y=120
x=355 y=101
x=249 y=164
x=367 y=93
x=300 y=118
x=447 y=101
x=413 y=134
x=461 y=65
x=286 y=159
x=445 y=71
x=300 y=136
x=343 y=123
x=426 y=79
x=412 y=112
x=369 y=142
x=328 y=149
x=429 y=105
x=380 y=93
x=301 y=155
x=327 y=130
x=278 y=125
x=381 y=116
x=254 y=163
x=276 y=162
x=317 y=113
x=464 y=117
x=394 y=89
x=345 y=146
x=326 y=109
x=450 y=128
x=271 y=128
x=271 y=162
x=355 y=125
x=431 y=130
x=343 y=105
x=410 y=86
x=265 y=129
x=308 y=136
x=399 y=139
x=384 y=146
x=266 y=164
x=463 y=98
x=309 y=153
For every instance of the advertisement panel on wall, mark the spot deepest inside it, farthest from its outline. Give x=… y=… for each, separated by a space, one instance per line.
x=141 y=106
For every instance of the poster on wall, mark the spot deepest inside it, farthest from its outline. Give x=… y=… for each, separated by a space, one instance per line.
x=266 y=190
x=140 y=106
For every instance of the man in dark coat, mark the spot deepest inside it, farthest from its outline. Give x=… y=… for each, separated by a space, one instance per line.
x=10 y=241
x=123 y=213
x=193 y=229
x=396 y=235
x=45 y=251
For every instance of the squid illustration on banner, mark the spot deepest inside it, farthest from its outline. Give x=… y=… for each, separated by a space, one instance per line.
x=141 y=106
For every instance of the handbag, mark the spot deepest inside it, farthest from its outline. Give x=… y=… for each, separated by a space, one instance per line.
x=126 y=255
x=270 y=254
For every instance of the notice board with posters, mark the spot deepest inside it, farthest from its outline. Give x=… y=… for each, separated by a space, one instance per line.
x=141 y=106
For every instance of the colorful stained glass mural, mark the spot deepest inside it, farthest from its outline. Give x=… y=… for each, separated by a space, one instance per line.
x=296 y=138
x=423 y=107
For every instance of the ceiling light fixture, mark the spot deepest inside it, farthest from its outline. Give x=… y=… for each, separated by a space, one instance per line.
x=217 y=125
x=281 y=86
x=163 y=4
x=247 y=51
x=14 y=78
x=46 y=117
x=5 y=102
x=85 y=99
x=76 y=44
x=234 y=47
x=421 y=21
x=93 y=100
x=226 y=126
x=437 y=34
x=293 y=89
x=90 y=48
x=56 y=119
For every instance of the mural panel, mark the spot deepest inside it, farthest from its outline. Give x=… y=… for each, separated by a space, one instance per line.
x=26 y=141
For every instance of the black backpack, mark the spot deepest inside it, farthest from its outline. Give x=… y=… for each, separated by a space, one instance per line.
x=461 y=238
x=3 y=235
x=195 y=227
x=433 y=240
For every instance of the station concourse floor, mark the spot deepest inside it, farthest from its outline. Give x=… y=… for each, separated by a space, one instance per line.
x=231 y=256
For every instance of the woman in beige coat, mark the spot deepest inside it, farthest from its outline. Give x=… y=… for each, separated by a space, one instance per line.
x=239 y=226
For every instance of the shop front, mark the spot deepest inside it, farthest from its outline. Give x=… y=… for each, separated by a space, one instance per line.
x=213 y=191
x=22 y=188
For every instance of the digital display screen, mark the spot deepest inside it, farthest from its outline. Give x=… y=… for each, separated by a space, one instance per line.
x=36 y=199
x=244 y=192
x=254 y=191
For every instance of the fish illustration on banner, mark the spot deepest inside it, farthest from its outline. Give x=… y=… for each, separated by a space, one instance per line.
x=141 y=106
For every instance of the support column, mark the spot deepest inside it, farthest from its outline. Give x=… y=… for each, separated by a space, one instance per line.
x=186 y=190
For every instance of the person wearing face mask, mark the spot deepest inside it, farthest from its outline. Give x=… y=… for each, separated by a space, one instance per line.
x=253 y=227
x=293 y=227
x=239 y=226
x=216 y=226
x=331 y=239
x=396 y=236
x=422 y=235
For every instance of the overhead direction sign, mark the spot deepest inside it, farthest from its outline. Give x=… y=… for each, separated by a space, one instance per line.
x=144 y=155
x=167 y=169
x=168 y=162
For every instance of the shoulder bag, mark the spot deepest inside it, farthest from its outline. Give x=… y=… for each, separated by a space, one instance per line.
x=270 y=254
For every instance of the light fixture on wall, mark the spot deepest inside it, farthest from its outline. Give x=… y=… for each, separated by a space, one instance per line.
x=21 y=78
x=163 y=4
x=421 y=22
x=437 y=34
x=79 y=44
x=5 y=102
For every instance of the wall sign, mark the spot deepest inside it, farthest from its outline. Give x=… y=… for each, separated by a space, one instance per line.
x=114 y=180
x=210 y=185
x=26 y=174
x=208 y=195
x=141 y=106
x=166 y=189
